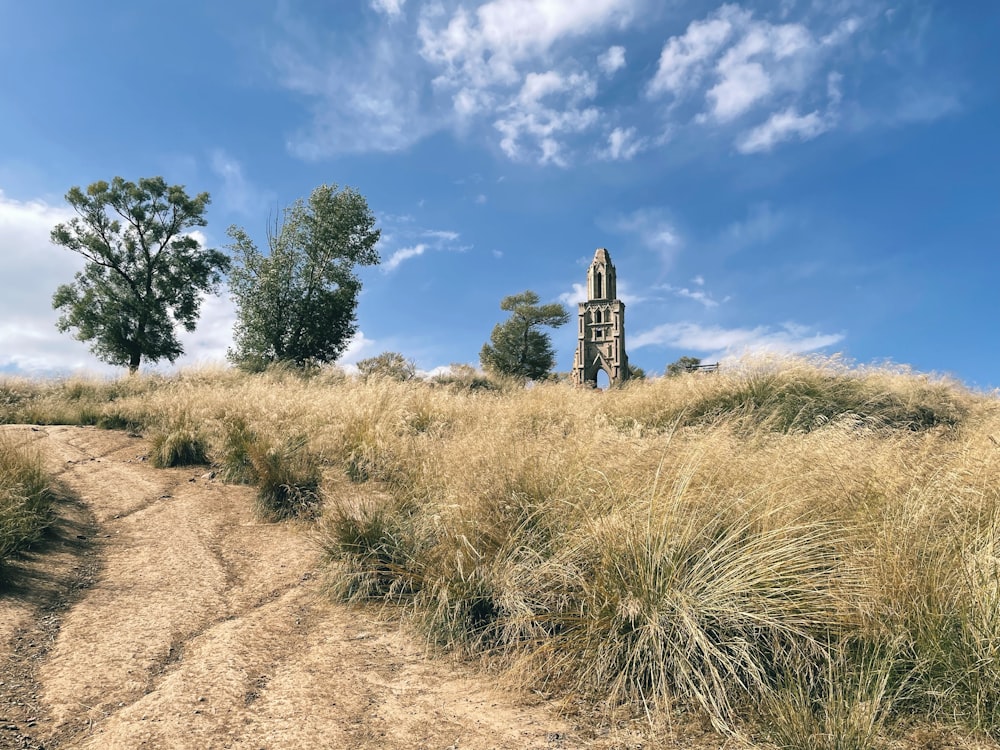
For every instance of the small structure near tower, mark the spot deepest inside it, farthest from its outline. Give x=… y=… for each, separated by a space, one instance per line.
x=601 y=336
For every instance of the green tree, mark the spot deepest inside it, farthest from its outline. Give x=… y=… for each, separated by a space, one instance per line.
x=391 y=365
x=682 y=365
x=297 y=303
x=516 y=346
x=636 y=373
x=144 y=273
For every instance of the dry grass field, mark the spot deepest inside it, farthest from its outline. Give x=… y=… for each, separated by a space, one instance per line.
x=793 y=553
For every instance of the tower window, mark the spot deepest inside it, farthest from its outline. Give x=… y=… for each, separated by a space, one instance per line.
x=598 y=285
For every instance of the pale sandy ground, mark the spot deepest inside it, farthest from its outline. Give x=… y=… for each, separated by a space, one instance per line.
x=160 y=614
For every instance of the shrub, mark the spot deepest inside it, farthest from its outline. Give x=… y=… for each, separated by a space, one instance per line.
x=392 y=365
x=181 y=446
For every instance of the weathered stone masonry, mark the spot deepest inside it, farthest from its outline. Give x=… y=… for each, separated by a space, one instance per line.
x=601 y=333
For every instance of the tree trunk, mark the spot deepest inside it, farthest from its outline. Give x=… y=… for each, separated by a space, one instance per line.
x=133 y=362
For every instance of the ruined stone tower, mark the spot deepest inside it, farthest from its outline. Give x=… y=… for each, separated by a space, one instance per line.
x=601 y=336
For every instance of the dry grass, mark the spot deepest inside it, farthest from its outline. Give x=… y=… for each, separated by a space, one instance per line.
x=25 y=496
x=794 y=549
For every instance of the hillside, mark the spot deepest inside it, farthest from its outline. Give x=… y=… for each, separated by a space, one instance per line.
x=791 y=554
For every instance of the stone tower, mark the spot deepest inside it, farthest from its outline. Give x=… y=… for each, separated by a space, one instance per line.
x=601 y=336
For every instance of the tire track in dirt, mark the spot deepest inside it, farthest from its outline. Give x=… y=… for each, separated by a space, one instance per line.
x=205 y=628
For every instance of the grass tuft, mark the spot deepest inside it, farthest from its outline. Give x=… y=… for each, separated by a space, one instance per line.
x=288 y=479
x=25 y=496
x=181 y=446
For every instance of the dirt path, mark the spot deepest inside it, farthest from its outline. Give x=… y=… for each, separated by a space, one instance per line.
x=160 y=614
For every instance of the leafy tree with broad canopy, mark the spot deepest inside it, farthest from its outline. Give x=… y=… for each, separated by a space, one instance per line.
x=144 y=273
x=296 y=304
x=516 y=346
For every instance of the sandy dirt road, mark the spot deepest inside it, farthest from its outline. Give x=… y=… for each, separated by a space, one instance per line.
x=159 y=613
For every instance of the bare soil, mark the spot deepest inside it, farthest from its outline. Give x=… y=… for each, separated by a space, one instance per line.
x=158 y=613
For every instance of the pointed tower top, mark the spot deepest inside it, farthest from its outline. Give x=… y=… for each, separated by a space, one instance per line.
x=601 y=282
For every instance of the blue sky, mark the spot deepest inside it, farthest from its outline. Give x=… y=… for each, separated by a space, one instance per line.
x=794 y=176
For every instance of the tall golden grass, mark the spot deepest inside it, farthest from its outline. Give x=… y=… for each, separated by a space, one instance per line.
x=796 y=549
x=25 y=495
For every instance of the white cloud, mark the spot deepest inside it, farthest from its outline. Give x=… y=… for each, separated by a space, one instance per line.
x=622 y=144
x=654 y=231
x=528 y=116
x=767 y=58
x=684 y=58
x=782 y=126
x=33 y=267
x=497 y=59
x=698 y=295
x=738 y=65
x=789 y=338
x=445 y=235
x=359 y=347
x=611 y=61
x=575 y=296
x=237 y=193
x=392 y=8
x=412 y=241
x=403 y=254
x=208 y=343
x=487 y=47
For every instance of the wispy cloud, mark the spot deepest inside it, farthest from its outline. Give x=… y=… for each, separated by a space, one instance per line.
x=238 y=194
x=698 y=295
x=529 y=76
x=391 y=8
x=623 y=144
x=788 y=338
x=654 y=230
x=375 y=101
x=782 y=126
x=411 y=241
x=402 y=254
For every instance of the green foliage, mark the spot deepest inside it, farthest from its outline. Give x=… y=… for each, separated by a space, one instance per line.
x=182 y=446
x=682 y=365
x=392 y=365
x=297 y=303
x=636 y=373
x=25 y=496
x=144 y=274
x=516 y=347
